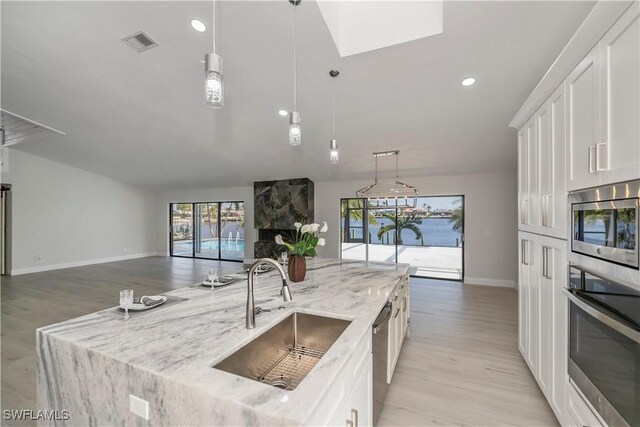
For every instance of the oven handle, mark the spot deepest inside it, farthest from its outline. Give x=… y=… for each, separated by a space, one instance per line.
x=630 y=333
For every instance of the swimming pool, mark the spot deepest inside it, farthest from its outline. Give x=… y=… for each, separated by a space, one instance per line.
x=185 y=247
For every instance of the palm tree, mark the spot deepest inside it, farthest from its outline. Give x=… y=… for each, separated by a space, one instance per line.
x=626 y=237
x=456 y=217
x=401 y=222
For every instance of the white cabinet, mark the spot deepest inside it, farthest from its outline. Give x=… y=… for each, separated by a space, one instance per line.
x=541 y=161
x=528 y=176
x=603 y=109
x=543 y=314
x=618 y=152
x=398 y=325
x=551 y=133
x=583 y=85
x=350 y=390
x=578 y=412
x=358 y=409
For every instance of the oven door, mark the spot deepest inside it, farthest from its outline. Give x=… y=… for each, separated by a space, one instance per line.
x=604 y=360
x=607 y=230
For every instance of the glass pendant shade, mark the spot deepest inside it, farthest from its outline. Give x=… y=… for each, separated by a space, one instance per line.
x=334 y=155
x=214 y=85
x=295 y=131
x=389 y=193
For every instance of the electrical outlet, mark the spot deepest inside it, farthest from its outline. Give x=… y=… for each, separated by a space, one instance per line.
x=139 y=407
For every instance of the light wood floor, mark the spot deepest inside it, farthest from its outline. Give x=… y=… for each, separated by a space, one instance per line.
x=461 y=365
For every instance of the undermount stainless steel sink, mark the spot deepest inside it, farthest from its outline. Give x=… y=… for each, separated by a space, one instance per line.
x=287 y=352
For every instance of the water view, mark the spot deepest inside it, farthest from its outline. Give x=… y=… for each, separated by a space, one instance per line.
x=429 y=237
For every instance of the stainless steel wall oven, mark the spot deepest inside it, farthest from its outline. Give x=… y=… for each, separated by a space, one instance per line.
x=604 y=345
x=605 y=223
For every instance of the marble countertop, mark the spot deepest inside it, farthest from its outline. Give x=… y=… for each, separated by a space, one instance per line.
x=182 y=342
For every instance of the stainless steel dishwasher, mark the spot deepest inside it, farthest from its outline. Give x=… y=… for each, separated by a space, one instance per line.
x=380 y=355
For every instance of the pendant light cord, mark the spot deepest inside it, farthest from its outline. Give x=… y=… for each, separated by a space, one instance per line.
x=396 y=166
x=334 y=108
x=295 y=82
x=213 y=30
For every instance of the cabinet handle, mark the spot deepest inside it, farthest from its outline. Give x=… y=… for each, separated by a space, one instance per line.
x=592 y=160
x=523 y=211
x=398 y=310
x=602 y=158
x=404 y=305
x=546 y=211
x=549 y=210
x=354 y=416
x=549 y=260
x=523 y=250
x=545 y=262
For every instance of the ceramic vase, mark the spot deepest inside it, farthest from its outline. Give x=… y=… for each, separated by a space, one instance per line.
x=297 y=268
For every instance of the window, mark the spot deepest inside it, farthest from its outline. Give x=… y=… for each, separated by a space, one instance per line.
x=429 y=237
x=209 y=230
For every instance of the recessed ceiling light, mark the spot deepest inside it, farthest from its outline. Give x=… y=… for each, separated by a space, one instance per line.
x=283 y=113
x=468 y=81
x=198 y=25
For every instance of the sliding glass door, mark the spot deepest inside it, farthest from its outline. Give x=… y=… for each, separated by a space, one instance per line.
x=208 y=230
x=232 y=230
x=429 y=237
x=181 y=229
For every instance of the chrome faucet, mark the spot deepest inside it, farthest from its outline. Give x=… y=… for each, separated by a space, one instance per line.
x=286 y=294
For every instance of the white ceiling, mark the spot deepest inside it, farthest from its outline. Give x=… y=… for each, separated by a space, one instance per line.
x=141 y=117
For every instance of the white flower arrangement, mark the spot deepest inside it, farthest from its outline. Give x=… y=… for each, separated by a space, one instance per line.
x=305 y=240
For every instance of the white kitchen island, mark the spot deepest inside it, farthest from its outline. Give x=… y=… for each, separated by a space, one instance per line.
x=91 y=365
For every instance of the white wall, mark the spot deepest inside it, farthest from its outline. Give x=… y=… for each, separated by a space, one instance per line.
x=72 y=217
x=490 y=220
x=235 y=194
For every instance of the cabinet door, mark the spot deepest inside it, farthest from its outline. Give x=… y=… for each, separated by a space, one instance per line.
x=545 y=164
x=533 y=315
x=405 y=310
x=523 y=176
x=358 y=411
x=392 y=347
x=532 y=167
x=523 y=297
x=618 y=151
x=579 y=413
x=557 y=270
x=545 y=341
x=556 y=202
x=583 y=121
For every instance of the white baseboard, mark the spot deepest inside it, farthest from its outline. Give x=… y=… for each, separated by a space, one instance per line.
x=489 y=282
x=40 y=268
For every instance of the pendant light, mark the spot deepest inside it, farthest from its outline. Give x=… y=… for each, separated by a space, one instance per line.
x=334 y=155
x=213 y=83
x=295 y=131
x=393 y=193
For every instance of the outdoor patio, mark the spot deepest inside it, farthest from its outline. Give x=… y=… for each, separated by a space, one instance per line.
x=427 y=261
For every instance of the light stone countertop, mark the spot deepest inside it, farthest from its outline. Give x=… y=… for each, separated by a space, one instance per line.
x=179 y=344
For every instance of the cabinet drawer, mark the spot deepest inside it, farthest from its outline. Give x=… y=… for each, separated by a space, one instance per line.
x=335 y=397
x=578 y=410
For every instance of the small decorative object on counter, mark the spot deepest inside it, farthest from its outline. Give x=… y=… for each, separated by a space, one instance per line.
x=302 y=243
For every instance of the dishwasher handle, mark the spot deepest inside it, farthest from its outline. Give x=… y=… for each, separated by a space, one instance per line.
x=376 y=326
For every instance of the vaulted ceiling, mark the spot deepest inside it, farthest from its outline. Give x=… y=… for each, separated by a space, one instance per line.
x=141 y=117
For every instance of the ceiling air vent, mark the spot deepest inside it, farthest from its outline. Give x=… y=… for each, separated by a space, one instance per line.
x=140 y=41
